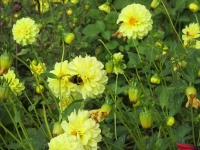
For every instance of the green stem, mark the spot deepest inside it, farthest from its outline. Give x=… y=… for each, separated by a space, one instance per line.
x=20 y=123
x=105 y=47
x=115 y=101
x=170 y=20
x=13 y=121
x=192 y=120
x=38 y=119
x=13 y=136
x=46 y=122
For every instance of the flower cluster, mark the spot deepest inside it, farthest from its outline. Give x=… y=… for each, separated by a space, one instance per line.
x=25 y=31
x=135 y=21
x=83 y=75
x=190 y=35
x=81 y=132
x=14 y=84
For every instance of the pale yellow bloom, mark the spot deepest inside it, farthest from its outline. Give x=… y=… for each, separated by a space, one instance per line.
x=84 y=128
x=191 y=32
x=197 y=46
x=39 y=68
x=5 y=1
x=90 y=70
x=44 y=6
x=74 y=1
x=119 y=64
x=62 y=85
x=25 y=31
x=65 y=142
x=105 y=7
x=15 y=85
x=135 y=21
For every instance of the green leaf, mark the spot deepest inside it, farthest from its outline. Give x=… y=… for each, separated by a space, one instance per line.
x=23 y=52
x=100 y=26
x=111 y=17
x=163 y=99
x=75 y=105
x=121 y=141
x=94 y=13
x=133 y=59
x=106 y=35
x=50 y=75
x=17 y=117
x=112 y=44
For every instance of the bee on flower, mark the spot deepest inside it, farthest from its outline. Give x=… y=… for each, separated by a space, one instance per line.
x=88 y=76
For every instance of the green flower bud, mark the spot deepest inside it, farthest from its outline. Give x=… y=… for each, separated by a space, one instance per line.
x=4 y=93
x=146 y=119
x=69 y=37
x=134 y=94
x=109 y=67
x=106 y=109
x=155 y=79
x=57 y=129
x=170 y=121
x=190 y=92
x=6 y=60
x=155 y=3
x=194 y=7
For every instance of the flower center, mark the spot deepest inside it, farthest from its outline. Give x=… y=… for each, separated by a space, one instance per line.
x=132 y=21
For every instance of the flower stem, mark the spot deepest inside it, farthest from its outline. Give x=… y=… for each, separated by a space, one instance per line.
x=105 y=46
x=192 y=120
x=115 y=117
x=13 y=136
x=46 y=122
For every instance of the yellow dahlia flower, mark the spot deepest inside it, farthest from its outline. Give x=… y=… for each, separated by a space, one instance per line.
x=38 y=68
x=62 y=85
x=197 y=46
x=14 y=84
x=119 y=64
x=65 y=142
x=25 y=31
x=89 y=69
x=105 y=7
x=84 y=128
x=74 y=1
x=135 y=21
x=44 y=6
x=191 y=32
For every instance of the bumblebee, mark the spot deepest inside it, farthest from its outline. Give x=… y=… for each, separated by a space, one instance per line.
x=76 y=79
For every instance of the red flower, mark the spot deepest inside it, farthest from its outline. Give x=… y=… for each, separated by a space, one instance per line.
x=187 y=147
